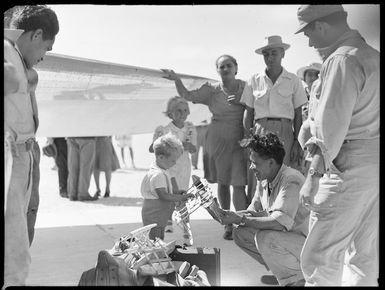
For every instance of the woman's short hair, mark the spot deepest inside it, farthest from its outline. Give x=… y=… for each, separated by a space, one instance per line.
x=172 y=103
x=266 y=145
x=233 y=60
x=33 y=17
x=166 y=144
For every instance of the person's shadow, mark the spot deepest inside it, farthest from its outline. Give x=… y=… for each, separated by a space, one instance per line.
x=120 y=201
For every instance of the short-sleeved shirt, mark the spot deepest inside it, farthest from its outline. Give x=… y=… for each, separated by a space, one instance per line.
x=18 y=107
x=345 y=103
x=283 y=202
x=278 y=100
x=156 y=177
x=182 y=169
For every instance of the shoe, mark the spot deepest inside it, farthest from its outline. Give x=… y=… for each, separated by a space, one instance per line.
x=87 y=198
x=106 y=194
x=63 y=194
x=169 y=227
x=72 y=198
x=228 y=234
x=97 y=193
x=269 y=280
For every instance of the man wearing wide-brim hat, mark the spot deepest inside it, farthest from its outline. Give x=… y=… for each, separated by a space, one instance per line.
x=308 y=74
x=313 y=69
x=273 y=100
x=342 y=185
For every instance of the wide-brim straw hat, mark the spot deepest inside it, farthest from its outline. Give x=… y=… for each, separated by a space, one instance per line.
x=273 y=42
x=314 y=66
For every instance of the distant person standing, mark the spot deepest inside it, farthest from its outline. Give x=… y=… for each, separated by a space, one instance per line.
x=81 y=158
x=342 y=186
x=106 y=161
x=308 y=74
x=274 y=100
x=201 y=129
x=122 y=142
x=39 y=25
x=61 y=163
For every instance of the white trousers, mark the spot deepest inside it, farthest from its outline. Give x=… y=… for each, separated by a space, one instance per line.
x=344 y=226
x=16 y=243
x=278 y=251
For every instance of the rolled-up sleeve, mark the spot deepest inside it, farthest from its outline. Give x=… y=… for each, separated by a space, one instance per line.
x=342 y=80
x=286 y=204
x=201 y=95
x=247 y=97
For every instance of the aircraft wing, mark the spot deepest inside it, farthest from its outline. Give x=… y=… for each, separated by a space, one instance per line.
x=83 y=97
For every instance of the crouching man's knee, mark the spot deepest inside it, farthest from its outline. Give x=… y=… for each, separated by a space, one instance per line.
x=244 y=235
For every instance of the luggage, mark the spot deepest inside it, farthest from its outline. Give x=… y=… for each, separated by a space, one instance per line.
x=207 y=259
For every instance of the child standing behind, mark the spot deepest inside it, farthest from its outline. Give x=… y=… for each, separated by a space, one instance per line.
x=178 y=110
x=156 y=186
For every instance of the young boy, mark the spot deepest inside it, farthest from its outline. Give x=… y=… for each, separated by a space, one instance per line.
x=156 y=187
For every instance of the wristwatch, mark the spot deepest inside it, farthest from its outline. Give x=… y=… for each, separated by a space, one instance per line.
x=243 y=220
x=313 y=172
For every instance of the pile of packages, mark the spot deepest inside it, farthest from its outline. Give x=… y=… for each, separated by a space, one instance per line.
x=135 y=260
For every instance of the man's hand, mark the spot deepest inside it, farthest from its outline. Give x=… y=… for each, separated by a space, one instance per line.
x=308 y=191
x=230 y=217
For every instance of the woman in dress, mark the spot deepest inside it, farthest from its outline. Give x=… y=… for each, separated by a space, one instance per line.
x=227 y=161
x=105 y=160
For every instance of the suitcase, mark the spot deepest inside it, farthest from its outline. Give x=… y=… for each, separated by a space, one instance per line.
x=207 y=259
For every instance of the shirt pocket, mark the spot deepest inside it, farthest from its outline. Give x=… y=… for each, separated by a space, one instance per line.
x=285 y=91
x=258 y=94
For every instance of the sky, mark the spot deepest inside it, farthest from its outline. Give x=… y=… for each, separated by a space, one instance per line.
x=189 y=38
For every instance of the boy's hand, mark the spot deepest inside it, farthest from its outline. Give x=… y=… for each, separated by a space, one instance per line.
x=188 y=195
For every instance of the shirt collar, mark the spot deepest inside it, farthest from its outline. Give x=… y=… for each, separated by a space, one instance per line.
x=174 y=127
x=12 y=34
x=284 y=74
x=276 y=179
x=325 y=52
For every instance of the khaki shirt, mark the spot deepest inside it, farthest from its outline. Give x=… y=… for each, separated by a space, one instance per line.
x=346 y=100
x=18 y=110
x=283 y=202
x=274 y=100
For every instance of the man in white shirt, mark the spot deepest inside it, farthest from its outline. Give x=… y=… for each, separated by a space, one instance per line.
x=273 y=229
x=274 y=100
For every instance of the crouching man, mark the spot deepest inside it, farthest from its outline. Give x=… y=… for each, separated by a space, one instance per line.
x=273 y=229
